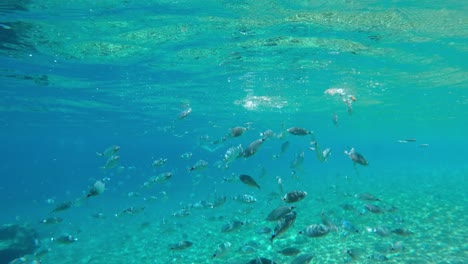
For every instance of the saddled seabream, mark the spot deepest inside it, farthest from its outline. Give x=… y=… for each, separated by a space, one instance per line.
x=356 y=157
x=279 y=213
x=315 y=230
x=283 y=225
x=299 y=131
x=252 y=148
x=248 y=180
x=294 y=196
x=374 y=208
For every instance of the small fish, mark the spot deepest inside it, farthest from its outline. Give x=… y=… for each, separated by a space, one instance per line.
x=181 y=213
x=356 y=157
x=110 y=151
x=348 y=226
x=378 y=257
x=199 y=165
x=284 y=147
x=232 y=226
x=246 y=179
x=380 y=230
x=366 y=197
x=252 y=148
x=222 y=250
x=294 y=196
x=64 y=239
x=245 y=198
x=402 y=232
x=335 y=119
x=283 y=225
x=51 y=220
x=5 y=26
x=130 y=211
x=299 y=131
x=279 y=181
x=159 y=163
x=186 y=155
x=185 y=113
x=315 y=230
x=290 y=251
x=347 y=207
x=219 y=201
x=111 y=162
x=297 y=162
x=263 y=230
x=373 y=208
x=328 y=222
x=237 y=131
x=62 y=207
x=231 y=154
x=279 y=213
x=163 y=177
x=260 y=260
x=268 y=134
x=99 y=215
x=423 y=145
x=303 y=259
x=96 y=189
x=181 y=245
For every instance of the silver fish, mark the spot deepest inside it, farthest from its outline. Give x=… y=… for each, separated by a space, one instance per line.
x=163 y=177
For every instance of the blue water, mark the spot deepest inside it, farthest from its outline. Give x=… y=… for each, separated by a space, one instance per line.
x=77 y=77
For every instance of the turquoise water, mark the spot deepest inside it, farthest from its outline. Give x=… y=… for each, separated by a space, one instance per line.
x=78 y=77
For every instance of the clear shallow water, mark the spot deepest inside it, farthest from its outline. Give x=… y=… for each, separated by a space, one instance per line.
x=78 y=77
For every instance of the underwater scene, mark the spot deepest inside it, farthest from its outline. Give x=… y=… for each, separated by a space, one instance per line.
x=233 y=131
